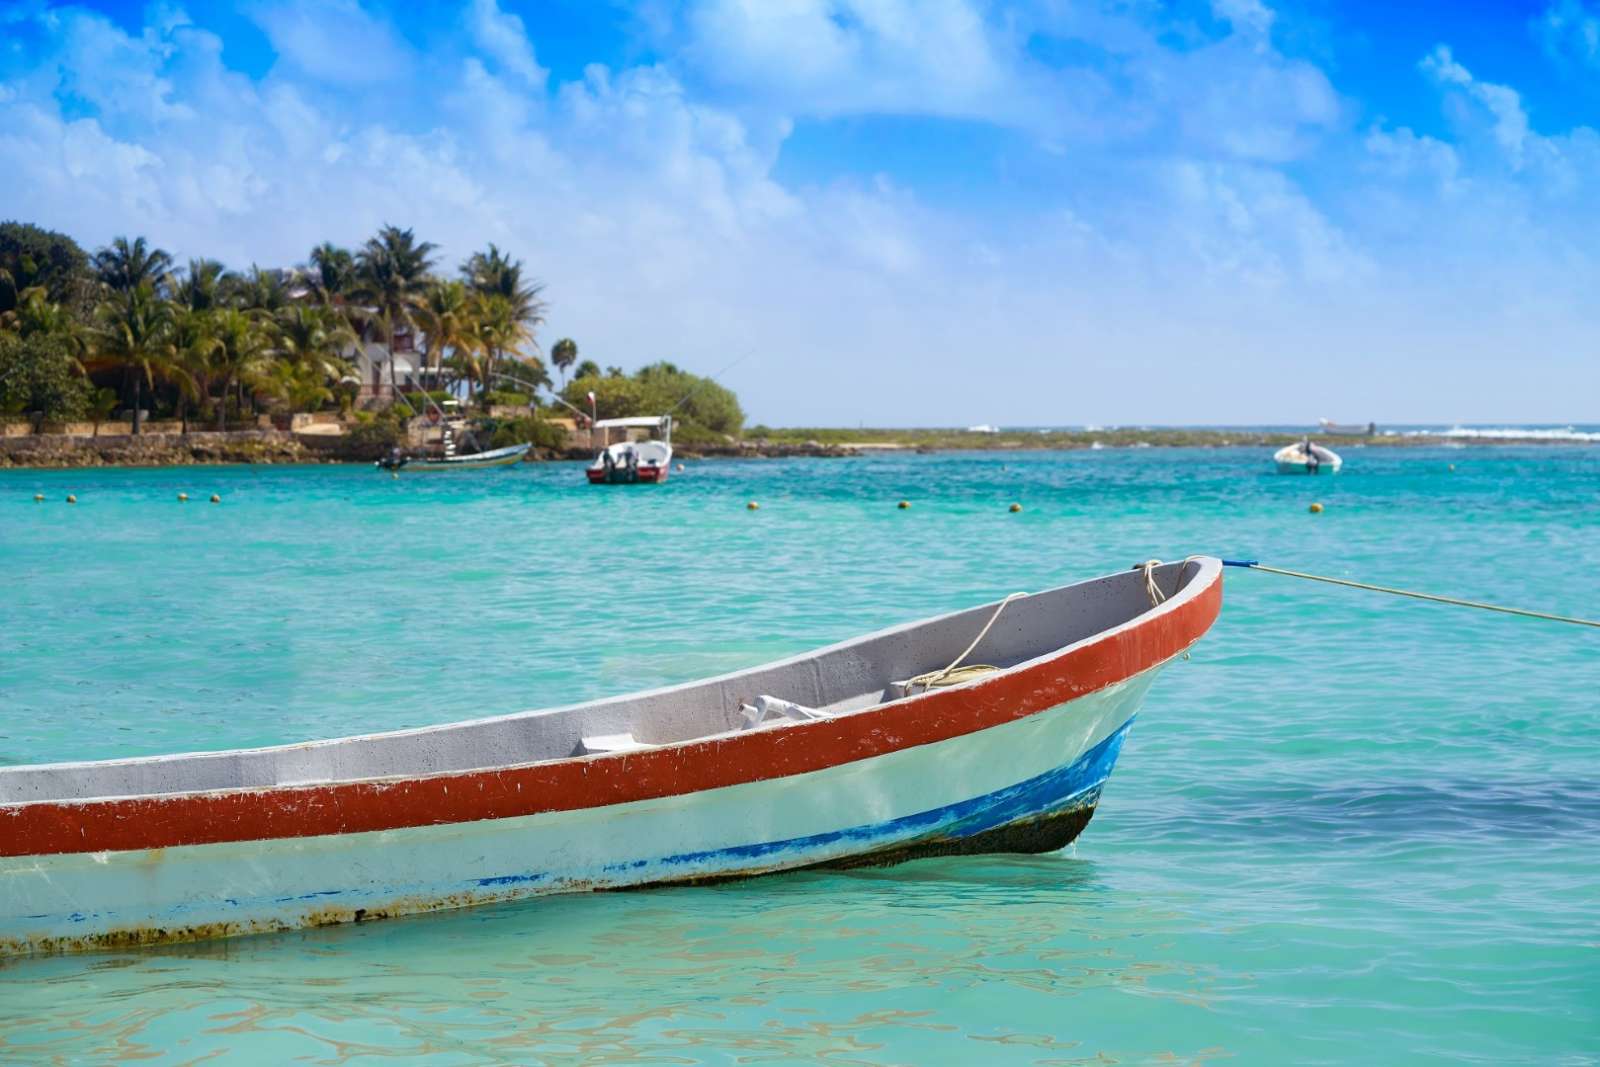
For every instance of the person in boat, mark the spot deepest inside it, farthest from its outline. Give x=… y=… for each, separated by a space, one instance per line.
x=1312 y=460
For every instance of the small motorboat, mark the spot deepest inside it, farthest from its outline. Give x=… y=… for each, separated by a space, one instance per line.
x=987 y=730
x=637 y=457
x=1303 y=457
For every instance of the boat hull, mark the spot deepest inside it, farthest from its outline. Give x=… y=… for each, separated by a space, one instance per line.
x=200 y=845
x=624 y=476
x=1028 y=785
x=1305 y=468
x=501 y=457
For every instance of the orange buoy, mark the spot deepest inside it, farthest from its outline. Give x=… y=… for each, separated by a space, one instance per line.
x=215 y=499
x=71 y=499
x=38 y=498
x=1016 y=508
x=182 y=497
x=1316 y=509
x=752 y=506
x=903 y=505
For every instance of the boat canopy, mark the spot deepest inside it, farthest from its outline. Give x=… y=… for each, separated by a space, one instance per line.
x=636 y=420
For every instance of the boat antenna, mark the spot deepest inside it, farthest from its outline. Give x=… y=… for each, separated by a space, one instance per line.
x=704 y=381
x=535 y=389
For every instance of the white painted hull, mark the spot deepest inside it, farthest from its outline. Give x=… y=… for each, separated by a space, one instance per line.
x=1025 y=770
x=1294 y=459
x=670 y=785
x=1301 y=468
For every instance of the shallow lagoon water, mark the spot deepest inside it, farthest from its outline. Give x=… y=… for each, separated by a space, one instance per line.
x=1350 y=828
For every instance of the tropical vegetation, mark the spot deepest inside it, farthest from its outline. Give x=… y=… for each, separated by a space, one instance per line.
x=200 y=339
x=704 y=412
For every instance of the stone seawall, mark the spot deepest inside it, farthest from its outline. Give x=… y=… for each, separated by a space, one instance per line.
x=160 y=449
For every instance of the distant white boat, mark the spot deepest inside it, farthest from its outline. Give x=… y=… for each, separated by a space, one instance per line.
x=1348 y=429
x=983 y=428
x=1303 y=457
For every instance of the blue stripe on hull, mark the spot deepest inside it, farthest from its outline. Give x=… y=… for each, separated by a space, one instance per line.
x=1073 y=787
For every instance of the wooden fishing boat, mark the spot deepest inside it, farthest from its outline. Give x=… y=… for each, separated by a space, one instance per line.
x=474 y=461
x=868 y=752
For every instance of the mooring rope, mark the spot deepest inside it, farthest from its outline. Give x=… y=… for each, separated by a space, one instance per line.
x=1151 y=589
x=1256 y=565
x=951 y=675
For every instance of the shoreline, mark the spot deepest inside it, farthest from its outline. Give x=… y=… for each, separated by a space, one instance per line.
x=207 y=448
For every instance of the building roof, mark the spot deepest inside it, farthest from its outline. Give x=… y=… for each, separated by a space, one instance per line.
x=637 y=420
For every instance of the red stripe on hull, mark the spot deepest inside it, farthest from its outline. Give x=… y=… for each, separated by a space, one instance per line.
x=35 y=829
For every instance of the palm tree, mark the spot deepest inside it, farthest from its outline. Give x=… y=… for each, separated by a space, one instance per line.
x=242 y=349
x=132 y=331
x=35 y=312
x=124 y=265
x=301 y=386
x=202 y=285
x=498 y=333
x=391 y=275
x=564 y=353
x=493 y=273
x=445 y=318
x=261 y=291
x=192 y=344
x=329 y=274
x=314 y=336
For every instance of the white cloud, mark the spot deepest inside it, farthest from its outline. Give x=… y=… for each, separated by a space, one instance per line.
x=334 y=41
x=834 y=57
x=1503 y=104
x=1250 y=16
x=504 y=37
x=1570 y=32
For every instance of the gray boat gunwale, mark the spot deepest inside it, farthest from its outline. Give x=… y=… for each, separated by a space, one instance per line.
x=1119 y=599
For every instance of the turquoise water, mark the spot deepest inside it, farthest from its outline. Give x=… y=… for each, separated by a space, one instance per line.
x=1350 y=828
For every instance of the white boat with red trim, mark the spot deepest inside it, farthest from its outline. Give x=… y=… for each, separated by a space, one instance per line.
x=868 y=752
x=637 y=456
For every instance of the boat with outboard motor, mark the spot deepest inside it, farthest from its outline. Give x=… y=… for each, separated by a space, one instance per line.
x=884 y=748
x=1304 y=457
x=634 y=458
x=452 y=434
x=397 y=460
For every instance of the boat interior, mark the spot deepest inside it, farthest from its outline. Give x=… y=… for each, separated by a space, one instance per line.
x=847 y=678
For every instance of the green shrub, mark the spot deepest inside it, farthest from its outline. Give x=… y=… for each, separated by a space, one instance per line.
x=533 y=430
x=377 y=431
x=39 y=376
x=698 y=405
x=507 y=398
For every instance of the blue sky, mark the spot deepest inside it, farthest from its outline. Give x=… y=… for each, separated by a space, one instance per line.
x=933 y=213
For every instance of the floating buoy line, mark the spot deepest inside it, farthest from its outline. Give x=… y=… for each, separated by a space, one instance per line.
x=1257 y=565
